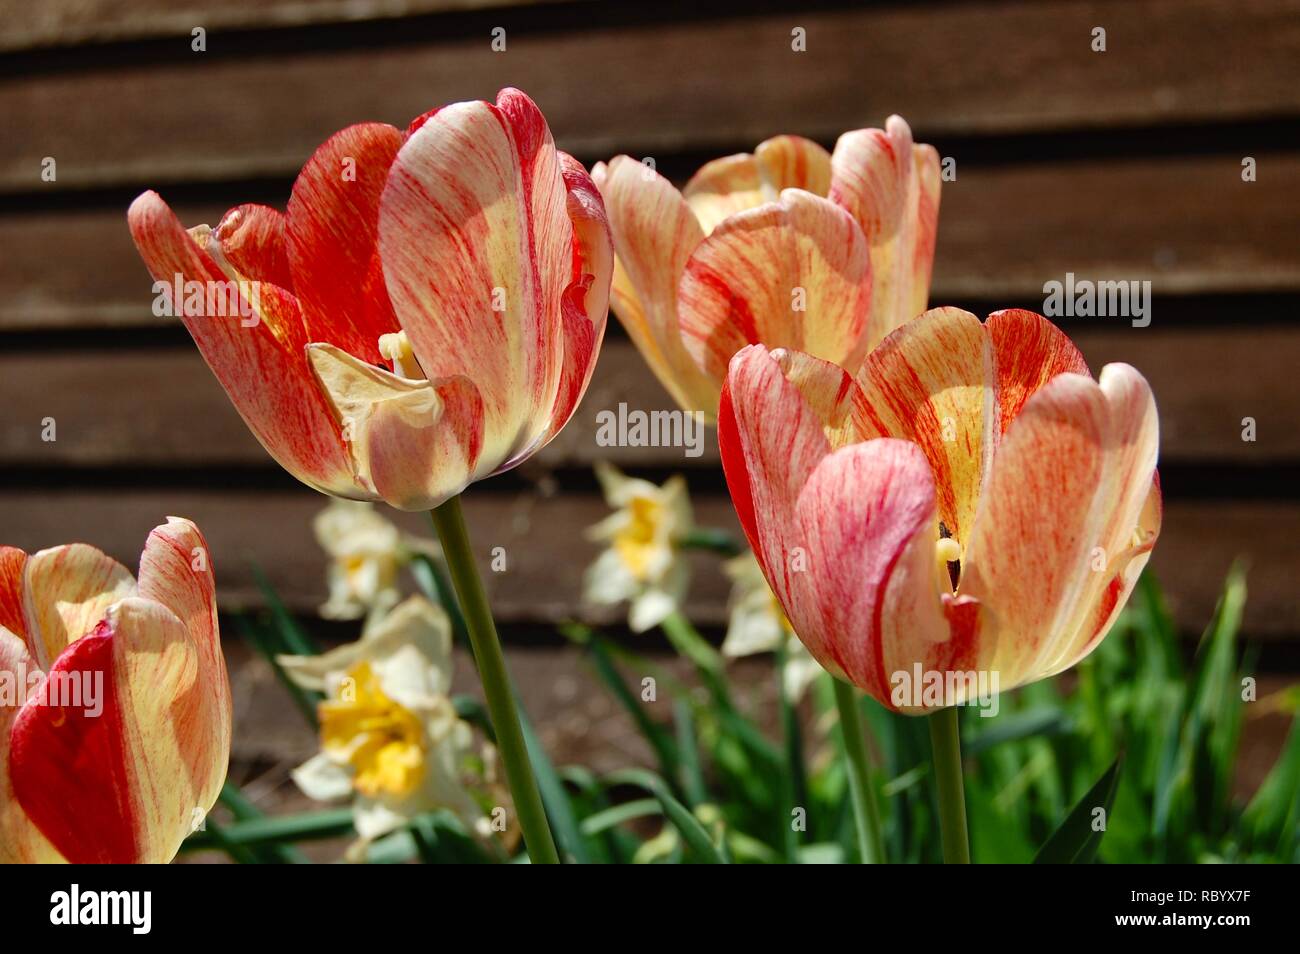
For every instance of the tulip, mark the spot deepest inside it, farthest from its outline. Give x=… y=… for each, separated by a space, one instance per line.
x=643 y=564
x=469 y=255
x=466 y=253
x=390 y=737
x=790 y=247
x=974 y=502
x=114 y=701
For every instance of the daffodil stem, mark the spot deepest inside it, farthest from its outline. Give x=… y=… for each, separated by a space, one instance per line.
x=945 y=739
x=450 y=524
x=866 y=814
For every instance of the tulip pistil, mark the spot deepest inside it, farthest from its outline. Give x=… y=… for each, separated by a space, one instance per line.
x=947 y=553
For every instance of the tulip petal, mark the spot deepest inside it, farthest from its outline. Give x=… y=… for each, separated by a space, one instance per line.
x=655 y=233
x=477 y=246
x=953 y=385
x=928 y=383
x=99 y=766
x=332 y=226
x=790 y=274
x=584 y=306
x=416 y=442
x=253 y=242
x=732 y=184
x=176 y=572
x=845 y=537
x=891 y=187
x=12 y=562
x=68 y=590
x=723 y=187
x=793 y=162
x=21 y=842
x=1069 y=485
x=260 y=363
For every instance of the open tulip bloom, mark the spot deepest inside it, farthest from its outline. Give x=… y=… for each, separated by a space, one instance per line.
x=790 y=247
x=114 y=701
x=972 y=502
x=427 y=312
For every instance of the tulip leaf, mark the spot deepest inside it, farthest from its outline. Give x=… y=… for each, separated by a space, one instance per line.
x=242 y=807
x=688 y=826
x=1075 y=841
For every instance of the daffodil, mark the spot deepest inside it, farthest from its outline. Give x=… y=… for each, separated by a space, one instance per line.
x=366 y=553
x=643 y=563
x=390 y=737
x=757 y=624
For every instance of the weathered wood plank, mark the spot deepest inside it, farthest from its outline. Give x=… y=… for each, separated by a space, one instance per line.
x=546 y=552
x=952 y=69
x=1004 y=231
x=54 y=23
x=163 y=408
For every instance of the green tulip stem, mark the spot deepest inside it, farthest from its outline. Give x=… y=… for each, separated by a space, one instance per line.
x=945 y=739
x=450 y=524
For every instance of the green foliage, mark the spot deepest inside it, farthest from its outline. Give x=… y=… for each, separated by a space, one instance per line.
x=1135 y=729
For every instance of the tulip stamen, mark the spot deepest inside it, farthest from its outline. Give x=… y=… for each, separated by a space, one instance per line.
x=947 y=552
x=396 y=349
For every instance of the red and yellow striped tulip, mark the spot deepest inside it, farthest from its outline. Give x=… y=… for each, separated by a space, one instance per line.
x=790 y=247
x=466 y=252
x=117 y=740
x=973 y=502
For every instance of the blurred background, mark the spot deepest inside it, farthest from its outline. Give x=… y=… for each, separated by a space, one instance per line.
x=1122 y=164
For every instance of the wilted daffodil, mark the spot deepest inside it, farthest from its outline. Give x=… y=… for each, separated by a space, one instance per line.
x=114 y=701
x=789 y=247
x=758 y=625
x=425 y=313
x=974 y=502
x=366 y=552
x=643 y=563
x=390 y=737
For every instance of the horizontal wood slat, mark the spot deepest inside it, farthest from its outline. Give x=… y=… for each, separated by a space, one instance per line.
x=546 y=552
x=163 y=408
x=952 y=69
x=24 y=25
x=1003 y=232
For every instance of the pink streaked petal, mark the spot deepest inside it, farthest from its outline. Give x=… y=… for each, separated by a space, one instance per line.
x=67 y=591
x=723 y=187
x=1028 y=351
x=475 y=202
x=332 y=228
x=869 y=603
x=176 y=572
x=12 y=562
x=790 y=274
x=654 y=233
x=793 y=162
x=262 y=366
x=1040 y=516
x=928 y=382
x=891 y=187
